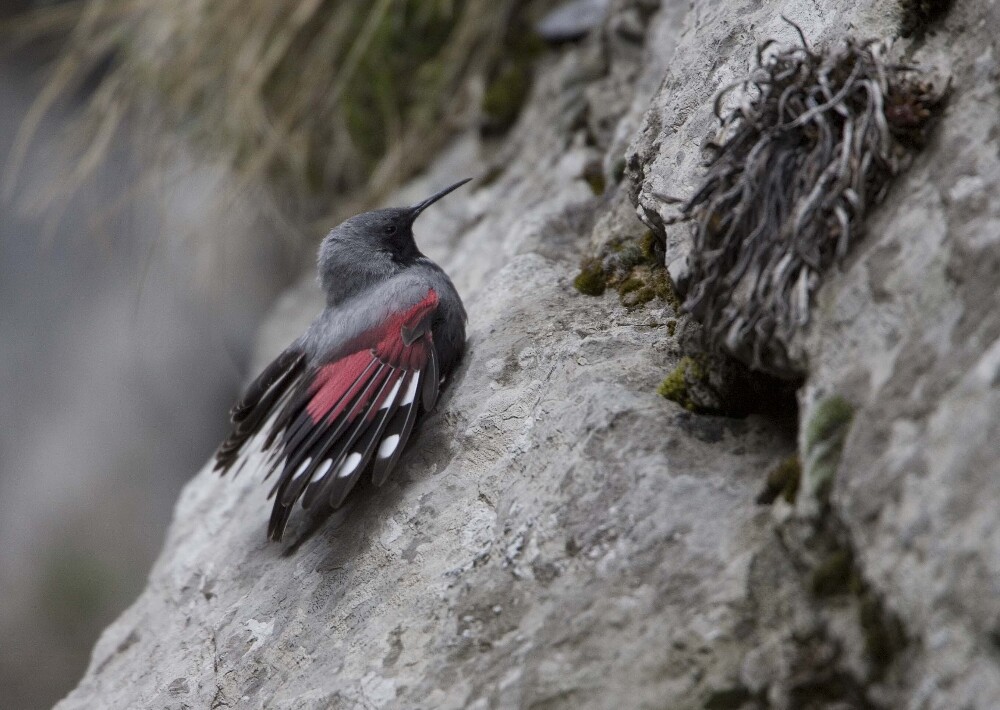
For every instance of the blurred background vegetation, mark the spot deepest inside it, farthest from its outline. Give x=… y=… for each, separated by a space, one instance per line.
x=167 y=169
x=311 y=98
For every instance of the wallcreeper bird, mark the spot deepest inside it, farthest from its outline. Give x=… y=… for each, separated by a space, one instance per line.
x=343 y=399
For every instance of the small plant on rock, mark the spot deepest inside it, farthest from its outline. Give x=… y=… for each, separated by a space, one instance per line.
x=811 y=145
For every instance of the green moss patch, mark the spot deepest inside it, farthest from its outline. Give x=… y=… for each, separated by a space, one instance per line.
x=633 y=267
x=676 y=386
x=782 y=481
x=644 y=285
x=593 y=174
x=885 y=635
x=826 y=433
x=591 y=281
x=839 y=575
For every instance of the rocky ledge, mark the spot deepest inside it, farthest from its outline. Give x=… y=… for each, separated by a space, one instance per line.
x=561 y=535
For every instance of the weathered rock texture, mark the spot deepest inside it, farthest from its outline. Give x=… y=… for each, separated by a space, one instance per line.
x=560 y=536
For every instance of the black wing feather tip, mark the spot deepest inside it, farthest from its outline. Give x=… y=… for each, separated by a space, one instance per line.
x=280 y=367
x=260 y=400
x=303 y=436
x=432 y=381
x=336 y=451
x=279 y=519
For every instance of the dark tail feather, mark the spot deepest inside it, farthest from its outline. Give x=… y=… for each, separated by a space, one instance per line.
x=279 y=518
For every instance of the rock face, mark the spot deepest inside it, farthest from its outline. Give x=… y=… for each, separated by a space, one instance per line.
x=561 y=536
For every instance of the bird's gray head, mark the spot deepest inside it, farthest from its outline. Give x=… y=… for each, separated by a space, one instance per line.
x=370 y=247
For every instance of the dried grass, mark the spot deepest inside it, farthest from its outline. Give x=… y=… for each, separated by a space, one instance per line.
x=811 y=146
x=315 y=99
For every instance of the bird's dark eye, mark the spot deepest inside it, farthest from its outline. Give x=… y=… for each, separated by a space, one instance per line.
x=390 y=229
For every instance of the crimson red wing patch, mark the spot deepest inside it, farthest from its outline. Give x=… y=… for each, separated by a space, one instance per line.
x=354 y=414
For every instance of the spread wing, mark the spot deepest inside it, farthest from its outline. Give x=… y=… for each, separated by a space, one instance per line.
x=262 y=398
x=350 y=415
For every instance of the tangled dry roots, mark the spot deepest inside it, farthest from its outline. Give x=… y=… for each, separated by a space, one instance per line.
x=810 y=148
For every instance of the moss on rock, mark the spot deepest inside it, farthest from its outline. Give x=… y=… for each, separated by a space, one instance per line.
x=782 y=481
x=825 y=435
x=591 y=281
x=633 y=283
x=633 y=266
x=593 y=175
x=884 y=633
x=676 y=385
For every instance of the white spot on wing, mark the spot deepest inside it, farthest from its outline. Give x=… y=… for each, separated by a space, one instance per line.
x=387 y=446
x=392 y=395
x=412 y=391
x=303 y=467
x=347 y=468
x=324 y=468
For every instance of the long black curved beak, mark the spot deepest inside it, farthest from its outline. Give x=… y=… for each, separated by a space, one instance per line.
x=421 y=206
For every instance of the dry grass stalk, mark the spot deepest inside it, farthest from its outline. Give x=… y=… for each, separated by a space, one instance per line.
x=316 y=99
x=809 y=149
